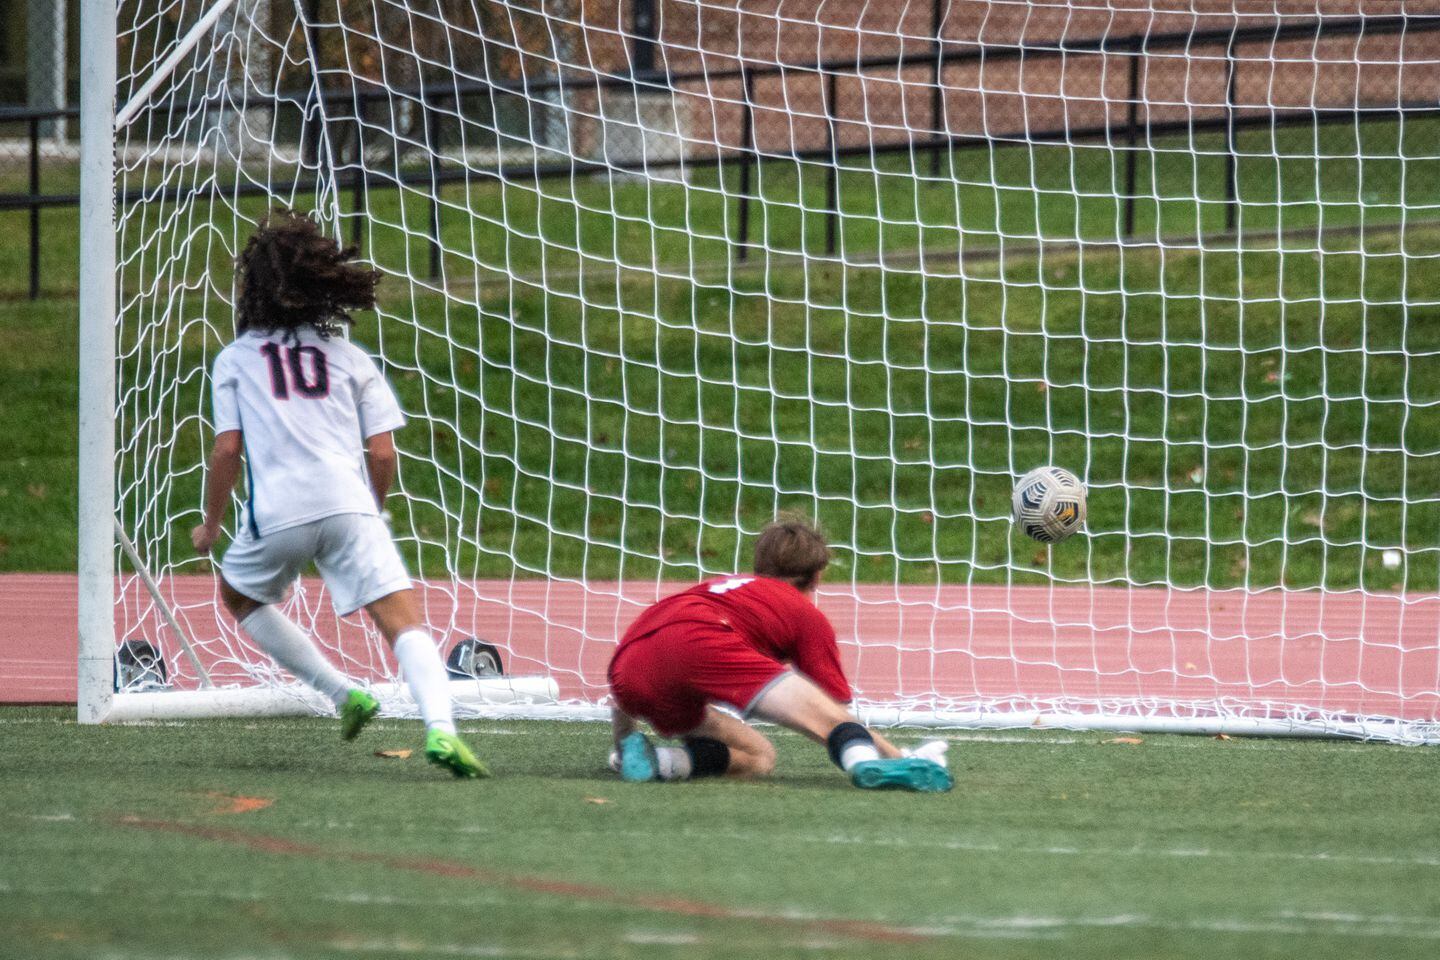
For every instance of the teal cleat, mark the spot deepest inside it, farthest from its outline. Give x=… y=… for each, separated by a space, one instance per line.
x=449 y=751
x=906 y=773
x=637 y=759
x=358 y=709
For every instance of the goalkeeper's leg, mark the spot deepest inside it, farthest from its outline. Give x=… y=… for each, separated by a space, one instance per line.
x=872 y=762
x=721 y=746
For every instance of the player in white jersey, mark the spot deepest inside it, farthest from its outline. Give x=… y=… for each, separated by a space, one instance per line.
x=312 y=419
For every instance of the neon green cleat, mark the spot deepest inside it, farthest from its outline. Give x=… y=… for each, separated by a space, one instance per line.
x=906 y=773
x=449 y=751
x=358 y=709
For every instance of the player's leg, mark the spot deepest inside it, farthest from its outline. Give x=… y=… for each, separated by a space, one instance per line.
x=397 y=617
x=362 y=568
x=795 y=702
x=264 y=570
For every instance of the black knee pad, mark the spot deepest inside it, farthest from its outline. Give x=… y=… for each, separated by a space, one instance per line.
x=708 y=758
x=842 y=736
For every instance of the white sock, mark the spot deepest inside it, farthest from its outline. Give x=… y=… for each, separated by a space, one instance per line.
x=425 y=674
x=858 y=751
x=673 y=763
x=288 y=646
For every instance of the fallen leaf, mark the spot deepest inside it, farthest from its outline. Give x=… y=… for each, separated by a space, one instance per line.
x=393 y=754
x=229 y=805
x=1190 y=666
x=1124 y=740
x=596 y=800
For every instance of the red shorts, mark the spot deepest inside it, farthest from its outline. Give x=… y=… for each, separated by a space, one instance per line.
x=669 y=676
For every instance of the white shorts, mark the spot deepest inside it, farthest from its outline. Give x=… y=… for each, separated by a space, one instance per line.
x=352 y=551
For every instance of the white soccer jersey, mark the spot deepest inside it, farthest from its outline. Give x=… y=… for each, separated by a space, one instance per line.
x=305 y=408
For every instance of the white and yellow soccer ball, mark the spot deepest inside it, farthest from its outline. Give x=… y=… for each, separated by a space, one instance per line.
x=1049 y=504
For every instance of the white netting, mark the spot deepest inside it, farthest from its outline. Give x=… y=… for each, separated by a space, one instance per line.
x=645 y=286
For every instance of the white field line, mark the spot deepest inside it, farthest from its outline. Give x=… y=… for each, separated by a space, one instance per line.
x=1020 y=926
x=963 y=845
x=358 y=898
x=953 y=845
x=667 y=938
x=1286 y=923
x=139 y=953
x=411 y=947
x=477 y=904
x=359 y=947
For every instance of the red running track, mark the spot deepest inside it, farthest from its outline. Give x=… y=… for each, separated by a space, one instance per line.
x=1348 y=653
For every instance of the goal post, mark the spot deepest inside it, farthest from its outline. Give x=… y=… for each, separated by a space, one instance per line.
x=647 y=284
x=96 y=467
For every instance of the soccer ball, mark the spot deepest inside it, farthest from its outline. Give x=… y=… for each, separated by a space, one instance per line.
x=1049 y=504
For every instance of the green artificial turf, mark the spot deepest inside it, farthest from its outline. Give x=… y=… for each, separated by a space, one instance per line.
x=132 y=842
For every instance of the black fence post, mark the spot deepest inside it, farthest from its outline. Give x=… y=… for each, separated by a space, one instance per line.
x=937 y=93
x=360 y=202
x=1231 y=160
x=747 y=140
x=34 y=208
x=1132 y=121
x=432 y=149
x=832 y=173
x=642 y=45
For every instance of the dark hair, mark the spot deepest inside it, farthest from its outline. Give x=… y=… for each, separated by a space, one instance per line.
x=792 y=549
x=291 y=275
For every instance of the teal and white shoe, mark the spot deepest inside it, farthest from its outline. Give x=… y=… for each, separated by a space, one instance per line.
x=637 y=759
x=904 y=773
x=358 y=709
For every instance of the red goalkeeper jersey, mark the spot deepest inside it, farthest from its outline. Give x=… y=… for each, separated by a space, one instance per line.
x=771 y=615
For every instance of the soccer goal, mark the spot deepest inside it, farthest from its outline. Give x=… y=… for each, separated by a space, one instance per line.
x=657 y=270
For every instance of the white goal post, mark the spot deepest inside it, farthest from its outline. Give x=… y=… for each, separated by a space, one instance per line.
x=654 y=271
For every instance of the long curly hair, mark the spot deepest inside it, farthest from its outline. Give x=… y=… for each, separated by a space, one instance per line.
x=291 y=275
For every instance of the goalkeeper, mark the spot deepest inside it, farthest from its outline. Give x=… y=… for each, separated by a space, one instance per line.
x=313 y=419
x=756 y=643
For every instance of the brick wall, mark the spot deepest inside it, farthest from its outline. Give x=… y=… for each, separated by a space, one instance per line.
x=1043 y=92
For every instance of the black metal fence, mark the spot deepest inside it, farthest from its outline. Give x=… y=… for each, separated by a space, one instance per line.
x=442 y=103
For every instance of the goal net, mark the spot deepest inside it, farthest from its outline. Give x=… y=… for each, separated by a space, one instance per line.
x=656 y=271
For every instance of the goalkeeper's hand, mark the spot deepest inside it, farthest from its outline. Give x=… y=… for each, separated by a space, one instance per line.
x=932 y=750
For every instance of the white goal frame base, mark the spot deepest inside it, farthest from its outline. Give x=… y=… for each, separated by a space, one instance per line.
x=492 y=695
x=537 y=698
